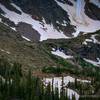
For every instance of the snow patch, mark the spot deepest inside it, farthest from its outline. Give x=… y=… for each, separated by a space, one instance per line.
x=63 y=24
x=25 y=38
x=61 y=54
x=13 y=28
x=92 y=39
x=95 y=63
x=71 y=92
x=0 y=20
x=5 y=51
x=2 y=78
x=18 y=8
x=87 y=40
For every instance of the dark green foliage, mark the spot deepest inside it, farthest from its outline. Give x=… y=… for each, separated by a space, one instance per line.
x=83 y=63
x=14 y=85
x=89 y=97
x=55 y=70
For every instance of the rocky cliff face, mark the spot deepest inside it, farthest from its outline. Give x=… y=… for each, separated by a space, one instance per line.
x=52 y=24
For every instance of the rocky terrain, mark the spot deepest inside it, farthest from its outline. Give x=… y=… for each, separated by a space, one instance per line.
x=25 y=24
x=53 y=38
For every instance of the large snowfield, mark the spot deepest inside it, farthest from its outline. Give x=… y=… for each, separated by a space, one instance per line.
x=85 y=24
x=49 y=33
x=46 y=31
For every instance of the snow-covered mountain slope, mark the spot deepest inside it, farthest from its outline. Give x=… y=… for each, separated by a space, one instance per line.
x=45 y=31
x=67 y=21
x=82 y=22
x=53 y=38
x=54 y=19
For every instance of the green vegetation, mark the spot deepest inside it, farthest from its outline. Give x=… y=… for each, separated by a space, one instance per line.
x=14 y=85
x=84 y=70
x=84 y=63
x=55 y=70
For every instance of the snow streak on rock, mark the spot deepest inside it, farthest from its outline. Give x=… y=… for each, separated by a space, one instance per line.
x=96 y=2
x=92 y=40
x=26 y=38
x=95 y=63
